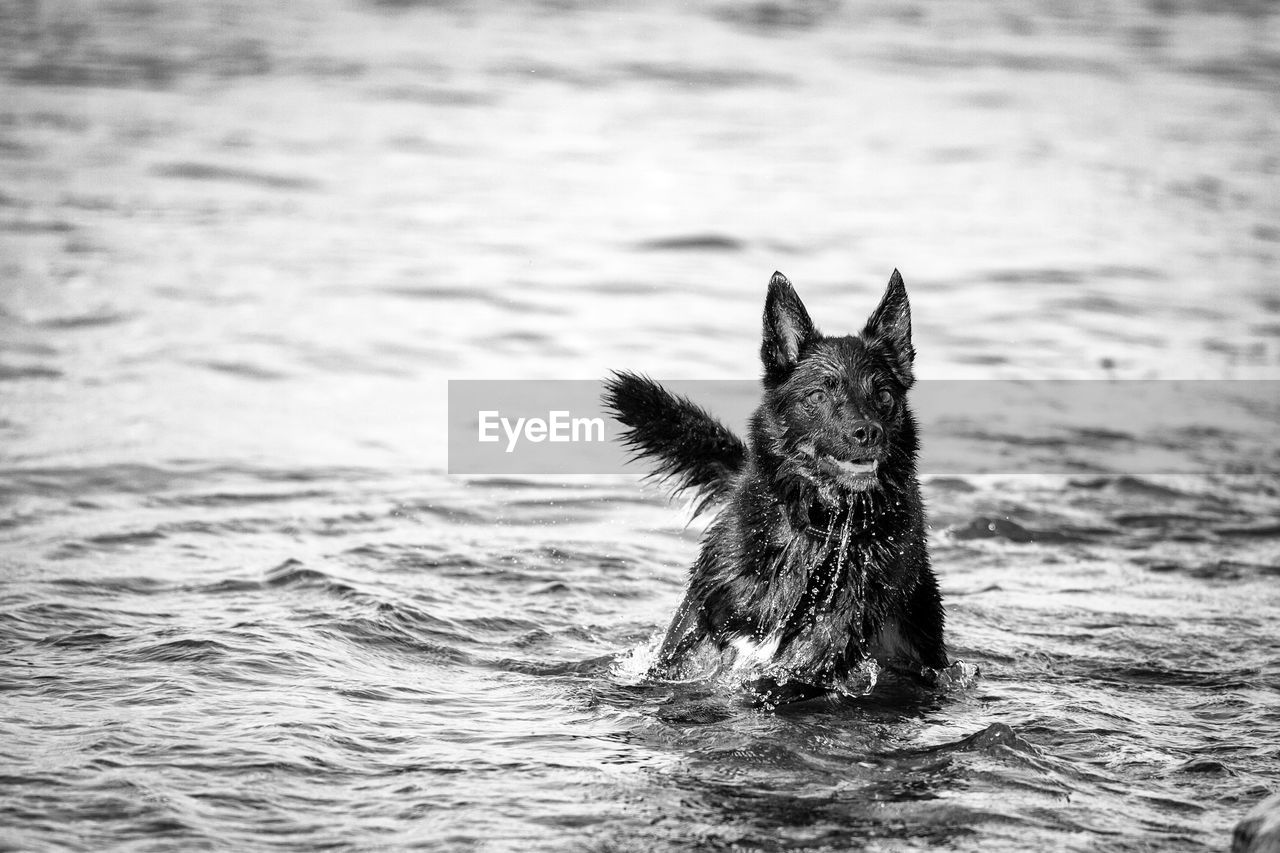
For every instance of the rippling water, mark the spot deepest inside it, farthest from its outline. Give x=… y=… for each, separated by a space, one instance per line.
x=242 y=250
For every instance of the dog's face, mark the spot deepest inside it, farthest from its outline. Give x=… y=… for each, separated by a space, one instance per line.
x=836 y=406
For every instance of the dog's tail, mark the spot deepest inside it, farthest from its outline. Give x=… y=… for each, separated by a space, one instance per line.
x=693 y=450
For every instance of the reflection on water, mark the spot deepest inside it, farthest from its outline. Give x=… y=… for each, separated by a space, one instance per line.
x=242 y=249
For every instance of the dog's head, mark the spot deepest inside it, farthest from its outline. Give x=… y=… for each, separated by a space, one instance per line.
x=835 y=408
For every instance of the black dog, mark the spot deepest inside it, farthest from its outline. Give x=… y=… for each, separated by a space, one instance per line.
x=818 y=562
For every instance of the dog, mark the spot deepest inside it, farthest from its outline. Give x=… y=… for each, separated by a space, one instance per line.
x=817 y=563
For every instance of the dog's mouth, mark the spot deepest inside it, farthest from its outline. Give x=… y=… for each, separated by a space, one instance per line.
x=855 y=474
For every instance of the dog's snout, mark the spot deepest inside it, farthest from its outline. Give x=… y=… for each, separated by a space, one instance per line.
x=867 y=433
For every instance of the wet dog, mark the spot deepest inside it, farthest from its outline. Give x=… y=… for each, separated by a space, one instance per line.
x=817 y=563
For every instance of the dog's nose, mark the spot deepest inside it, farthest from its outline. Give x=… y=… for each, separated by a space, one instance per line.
x=867 y=433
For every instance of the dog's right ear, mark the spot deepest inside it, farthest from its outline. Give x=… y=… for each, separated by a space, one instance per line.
x=889 y=327
x=787 y=329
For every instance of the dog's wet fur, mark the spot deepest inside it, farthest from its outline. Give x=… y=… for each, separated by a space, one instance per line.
x=817 y=562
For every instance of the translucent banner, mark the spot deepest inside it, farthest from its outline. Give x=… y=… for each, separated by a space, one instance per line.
x=557 y=427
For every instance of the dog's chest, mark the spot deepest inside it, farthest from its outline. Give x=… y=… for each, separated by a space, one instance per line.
x=821 y=601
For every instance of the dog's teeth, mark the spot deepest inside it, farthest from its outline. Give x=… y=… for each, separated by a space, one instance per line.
x=854 y=467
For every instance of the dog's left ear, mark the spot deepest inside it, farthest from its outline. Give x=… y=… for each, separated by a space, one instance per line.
x=787 y=330
x=890 y=327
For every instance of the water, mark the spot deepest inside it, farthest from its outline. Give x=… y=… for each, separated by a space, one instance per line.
x=242 y=249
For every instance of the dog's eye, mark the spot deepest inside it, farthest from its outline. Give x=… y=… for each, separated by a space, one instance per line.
x=816 y=398
x=885 y=399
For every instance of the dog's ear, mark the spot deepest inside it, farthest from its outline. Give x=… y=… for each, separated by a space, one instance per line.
x=787 y=329
x=889 y=327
